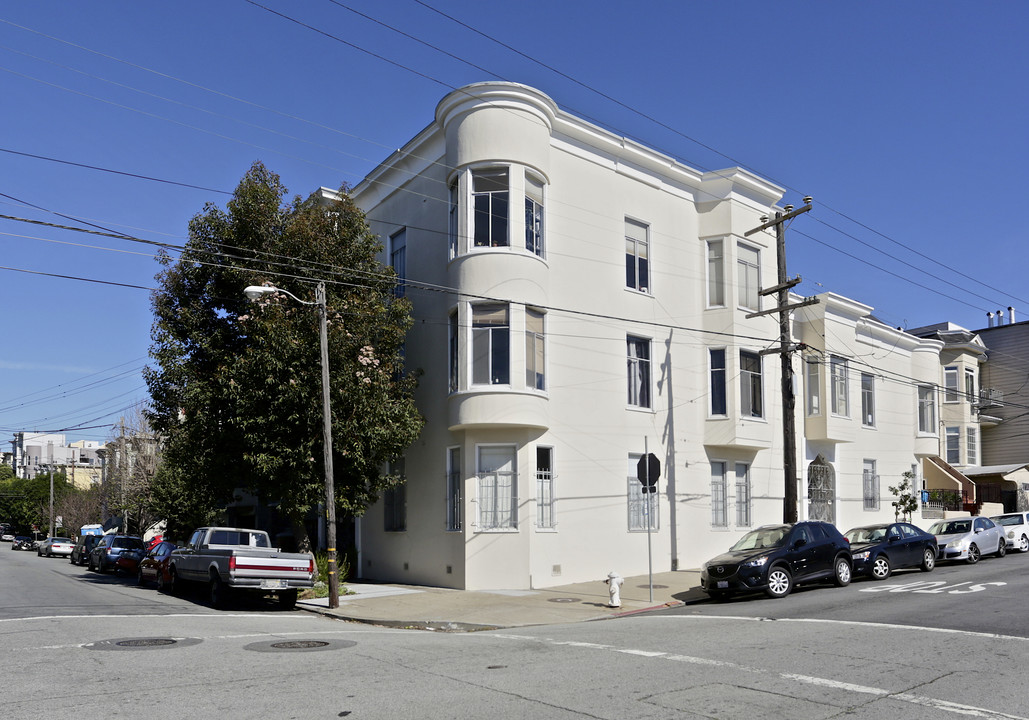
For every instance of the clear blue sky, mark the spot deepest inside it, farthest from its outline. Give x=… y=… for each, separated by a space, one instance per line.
x=907 y=122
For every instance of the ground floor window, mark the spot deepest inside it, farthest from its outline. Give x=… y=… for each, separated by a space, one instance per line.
x=545 y=487
x=394 y=500
x=497 y=495
x=454 y=489
x=643 y=507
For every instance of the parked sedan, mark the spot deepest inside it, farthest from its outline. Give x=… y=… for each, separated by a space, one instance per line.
x=8 y=536
x=968 y=538
x=1016 y=529
x=154 y=566
x=878 y=550
x=104 y=556
x=55 y=546
x=774 y=558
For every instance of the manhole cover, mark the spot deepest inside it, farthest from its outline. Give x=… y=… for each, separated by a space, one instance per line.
x=144 y=643
x=295 y=646
x=656 y=587
x=564 y=600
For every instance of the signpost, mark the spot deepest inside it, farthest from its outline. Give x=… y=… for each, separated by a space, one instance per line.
x=648 y=470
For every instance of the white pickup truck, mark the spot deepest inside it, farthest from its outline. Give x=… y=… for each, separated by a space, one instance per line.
x=228 y=559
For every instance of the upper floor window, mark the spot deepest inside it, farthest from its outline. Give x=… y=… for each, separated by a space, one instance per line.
x=748 y=277
x=491 y=341
x=750 y=385
x=840 y=396
x=814 y=386
x=533 y=215
x=452 y=344
x=637 y=256
x=950 y=384
x=867 y=399
x=970 y=393
x=927 y=409
x=718 y=402
x=452 y=224
x=638 y=351
x=715 y=274
x=490 y=202
x=398 y=259
x=535 y=350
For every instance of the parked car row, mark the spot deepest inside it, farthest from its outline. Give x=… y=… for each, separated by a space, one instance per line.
x=775 y=558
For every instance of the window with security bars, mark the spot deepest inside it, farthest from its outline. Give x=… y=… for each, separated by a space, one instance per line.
x=742 y=495
x=497 y=494
x=719 y=496
x=642 y=506
x=870 y=484
x=545 y=488
x=454 y=514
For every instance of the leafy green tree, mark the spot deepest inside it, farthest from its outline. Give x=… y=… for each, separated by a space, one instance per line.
x=906 y=502
x=236 y=389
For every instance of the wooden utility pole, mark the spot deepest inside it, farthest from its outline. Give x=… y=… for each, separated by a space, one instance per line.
x=789 y=400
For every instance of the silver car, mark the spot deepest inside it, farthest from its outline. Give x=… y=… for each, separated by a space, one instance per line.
x=969 y=538
x=1016 y=529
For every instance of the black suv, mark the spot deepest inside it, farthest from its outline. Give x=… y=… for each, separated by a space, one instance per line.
x=83 y=546
x=774 y=558
x=105 y=553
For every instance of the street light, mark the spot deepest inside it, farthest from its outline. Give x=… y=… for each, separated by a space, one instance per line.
x=254 y=292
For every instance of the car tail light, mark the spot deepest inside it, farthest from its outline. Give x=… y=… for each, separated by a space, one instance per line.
x=310 y=566
x=232 y=564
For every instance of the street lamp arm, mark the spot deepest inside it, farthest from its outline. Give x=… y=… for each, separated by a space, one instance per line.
x=254 y=292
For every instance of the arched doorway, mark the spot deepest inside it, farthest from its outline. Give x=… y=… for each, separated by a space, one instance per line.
x=821 y=491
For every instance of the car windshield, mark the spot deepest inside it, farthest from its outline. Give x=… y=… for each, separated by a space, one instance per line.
x=1008 y=520
x=952 y=527
x=762 y=538
x=867 y=534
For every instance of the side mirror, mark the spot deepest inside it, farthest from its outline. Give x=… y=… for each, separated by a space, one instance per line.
x=799 y=543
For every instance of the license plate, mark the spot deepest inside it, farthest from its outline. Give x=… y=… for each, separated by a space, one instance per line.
x=273 y=584
x=723 y=584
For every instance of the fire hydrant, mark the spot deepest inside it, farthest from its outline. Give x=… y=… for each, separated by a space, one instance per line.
x=614 y=588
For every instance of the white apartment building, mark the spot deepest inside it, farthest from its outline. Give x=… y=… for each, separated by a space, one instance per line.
x=580 y=300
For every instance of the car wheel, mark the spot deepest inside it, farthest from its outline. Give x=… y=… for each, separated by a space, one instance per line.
x=163 y=585
x=973 y=554
x=881 y=568
x=217 y=592
x=780 y=582
x=140 y=580
x=288 y=599
x=841 y=572
x=928 y=560
x=1023 y=544
x=1002 y=548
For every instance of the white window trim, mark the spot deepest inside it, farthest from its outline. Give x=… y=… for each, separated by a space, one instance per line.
x=450 y=500
x=725 y=383
x=552 y=482
x=649 y=288
x=514 y=528
x=725 y=491
x=951 y=387
x=722 y=284
x=649 y=407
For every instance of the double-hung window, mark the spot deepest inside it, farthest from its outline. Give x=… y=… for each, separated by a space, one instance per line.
x=814 y=386
x=950 y=384
x=970 y=393
x=742 y=495
x=971 y=446
x=953 y=439
x=751 y=394
x=533 y=215
x=715 y=273
x=490 y=202
x=545 y=488
x=748 y=277
x=535 y=351
x=452 y=355
x=637 y=256
x=839 y=378
x=454 y=499
x=927 y=409
x=398 y=259
x=491 y=345
x=718 y=399
x=870 y=482
x=868 y=400
x=497 y=496
x=638 y=368
x=452 y=224
x=719 y=495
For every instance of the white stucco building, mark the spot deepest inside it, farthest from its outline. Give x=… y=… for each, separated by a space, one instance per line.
x=580 y=299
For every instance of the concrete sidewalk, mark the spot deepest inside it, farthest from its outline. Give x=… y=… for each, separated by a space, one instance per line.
x=431 y=608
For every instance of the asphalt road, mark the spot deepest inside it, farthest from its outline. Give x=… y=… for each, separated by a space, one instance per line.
x=76 y=644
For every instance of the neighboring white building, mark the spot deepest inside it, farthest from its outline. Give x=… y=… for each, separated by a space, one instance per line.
x=580 y=299
x=32 y=452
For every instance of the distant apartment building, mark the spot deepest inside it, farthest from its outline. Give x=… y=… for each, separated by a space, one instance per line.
x=33 y=453
x=581 y=300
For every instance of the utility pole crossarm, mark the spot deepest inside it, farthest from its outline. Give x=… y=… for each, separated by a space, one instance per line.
x=779 y=219
x=784 y=308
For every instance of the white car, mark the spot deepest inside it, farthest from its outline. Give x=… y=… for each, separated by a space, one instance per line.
x=1016 y=529
x=969 y=538
x=55 y=546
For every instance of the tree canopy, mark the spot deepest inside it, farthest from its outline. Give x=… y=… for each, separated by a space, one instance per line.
x=236 y=385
